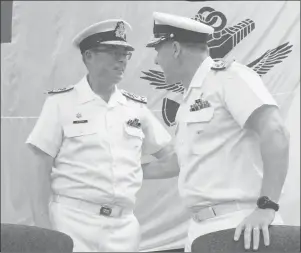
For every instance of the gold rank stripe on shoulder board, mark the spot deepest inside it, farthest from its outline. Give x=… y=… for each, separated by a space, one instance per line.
x=60 y=90
x=221 y=64
x=134 y=97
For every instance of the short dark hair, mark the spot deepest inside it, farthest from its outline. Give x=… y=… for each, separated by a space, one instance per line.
x=194 y=45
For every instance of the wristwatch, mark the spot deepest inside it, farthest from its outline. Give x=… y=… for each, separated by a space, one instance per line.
x=264 y=202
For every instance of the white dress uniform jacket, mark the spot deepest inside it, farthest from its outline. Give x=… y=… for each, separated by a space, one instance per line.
x=220 y=160
x=97 y=154
x=97 y=149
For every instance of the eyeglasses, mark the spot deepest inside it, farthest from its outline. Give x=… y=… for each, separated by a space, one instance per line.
x=112 y=51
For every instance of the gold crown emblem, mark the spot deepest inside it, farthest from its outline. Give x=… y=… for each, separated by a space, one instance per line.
x=120 y=30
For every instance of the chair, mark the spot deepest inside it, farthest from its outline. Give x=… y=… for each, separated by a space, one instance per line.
x=282 y=239
x=22 y=238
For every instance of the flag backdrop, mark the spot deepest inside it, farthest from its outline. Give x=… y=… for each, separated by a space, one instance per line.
x=263 y=35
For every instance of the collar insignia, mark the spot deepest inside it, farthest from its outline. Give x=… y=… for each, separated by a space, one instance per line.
x=220 y=64
x=60 y=90
x=134 y=97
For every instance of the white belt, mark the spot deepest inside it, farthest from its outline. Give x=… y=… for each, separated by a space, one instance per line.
x=100 y=209
x=204 y=213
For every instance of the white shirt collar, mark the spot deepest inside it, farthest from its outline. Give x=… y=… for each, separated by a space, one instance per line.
x=200 y=75
x=86 y=94
x=117 y=97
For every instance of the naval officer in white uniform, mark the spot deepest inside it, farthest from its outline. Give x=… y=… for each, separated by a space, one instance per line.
x=88 y=142
x=231 y=142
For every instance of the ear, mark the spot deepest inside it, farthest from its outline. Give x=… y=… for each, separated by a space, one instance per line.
x=176 y=49
x=87 y=54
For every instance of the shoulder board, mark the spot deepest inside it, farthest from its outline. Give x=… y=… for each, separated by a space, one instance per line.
x=134 y=97
x=221 y=64
x=61 y=90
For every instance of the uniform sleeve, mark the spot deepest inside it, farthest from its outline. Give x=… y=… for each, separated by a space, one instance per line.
x=156 y=136
x=47 y=132
x=243 y=93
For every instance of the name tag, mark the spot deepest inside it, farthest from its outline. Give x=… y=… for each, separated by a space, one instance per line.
x=80 y=121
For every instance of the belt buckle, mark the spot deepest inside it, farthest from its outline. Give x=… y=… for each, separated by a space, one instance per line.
x=105 y=210
x=198 y=217
x=212 y=210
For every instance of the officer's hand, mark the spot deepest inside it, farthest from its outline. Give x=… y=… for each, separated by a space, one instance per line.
x=260 y=219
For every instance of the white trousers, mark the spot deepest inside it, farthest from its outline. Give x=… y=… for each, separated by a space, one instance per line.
x=223 y=222
x=96 y=233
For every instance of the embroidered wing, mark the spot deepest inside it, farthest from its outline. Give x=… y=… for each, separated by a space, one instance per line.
x=270 y=58
x=157 y=79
